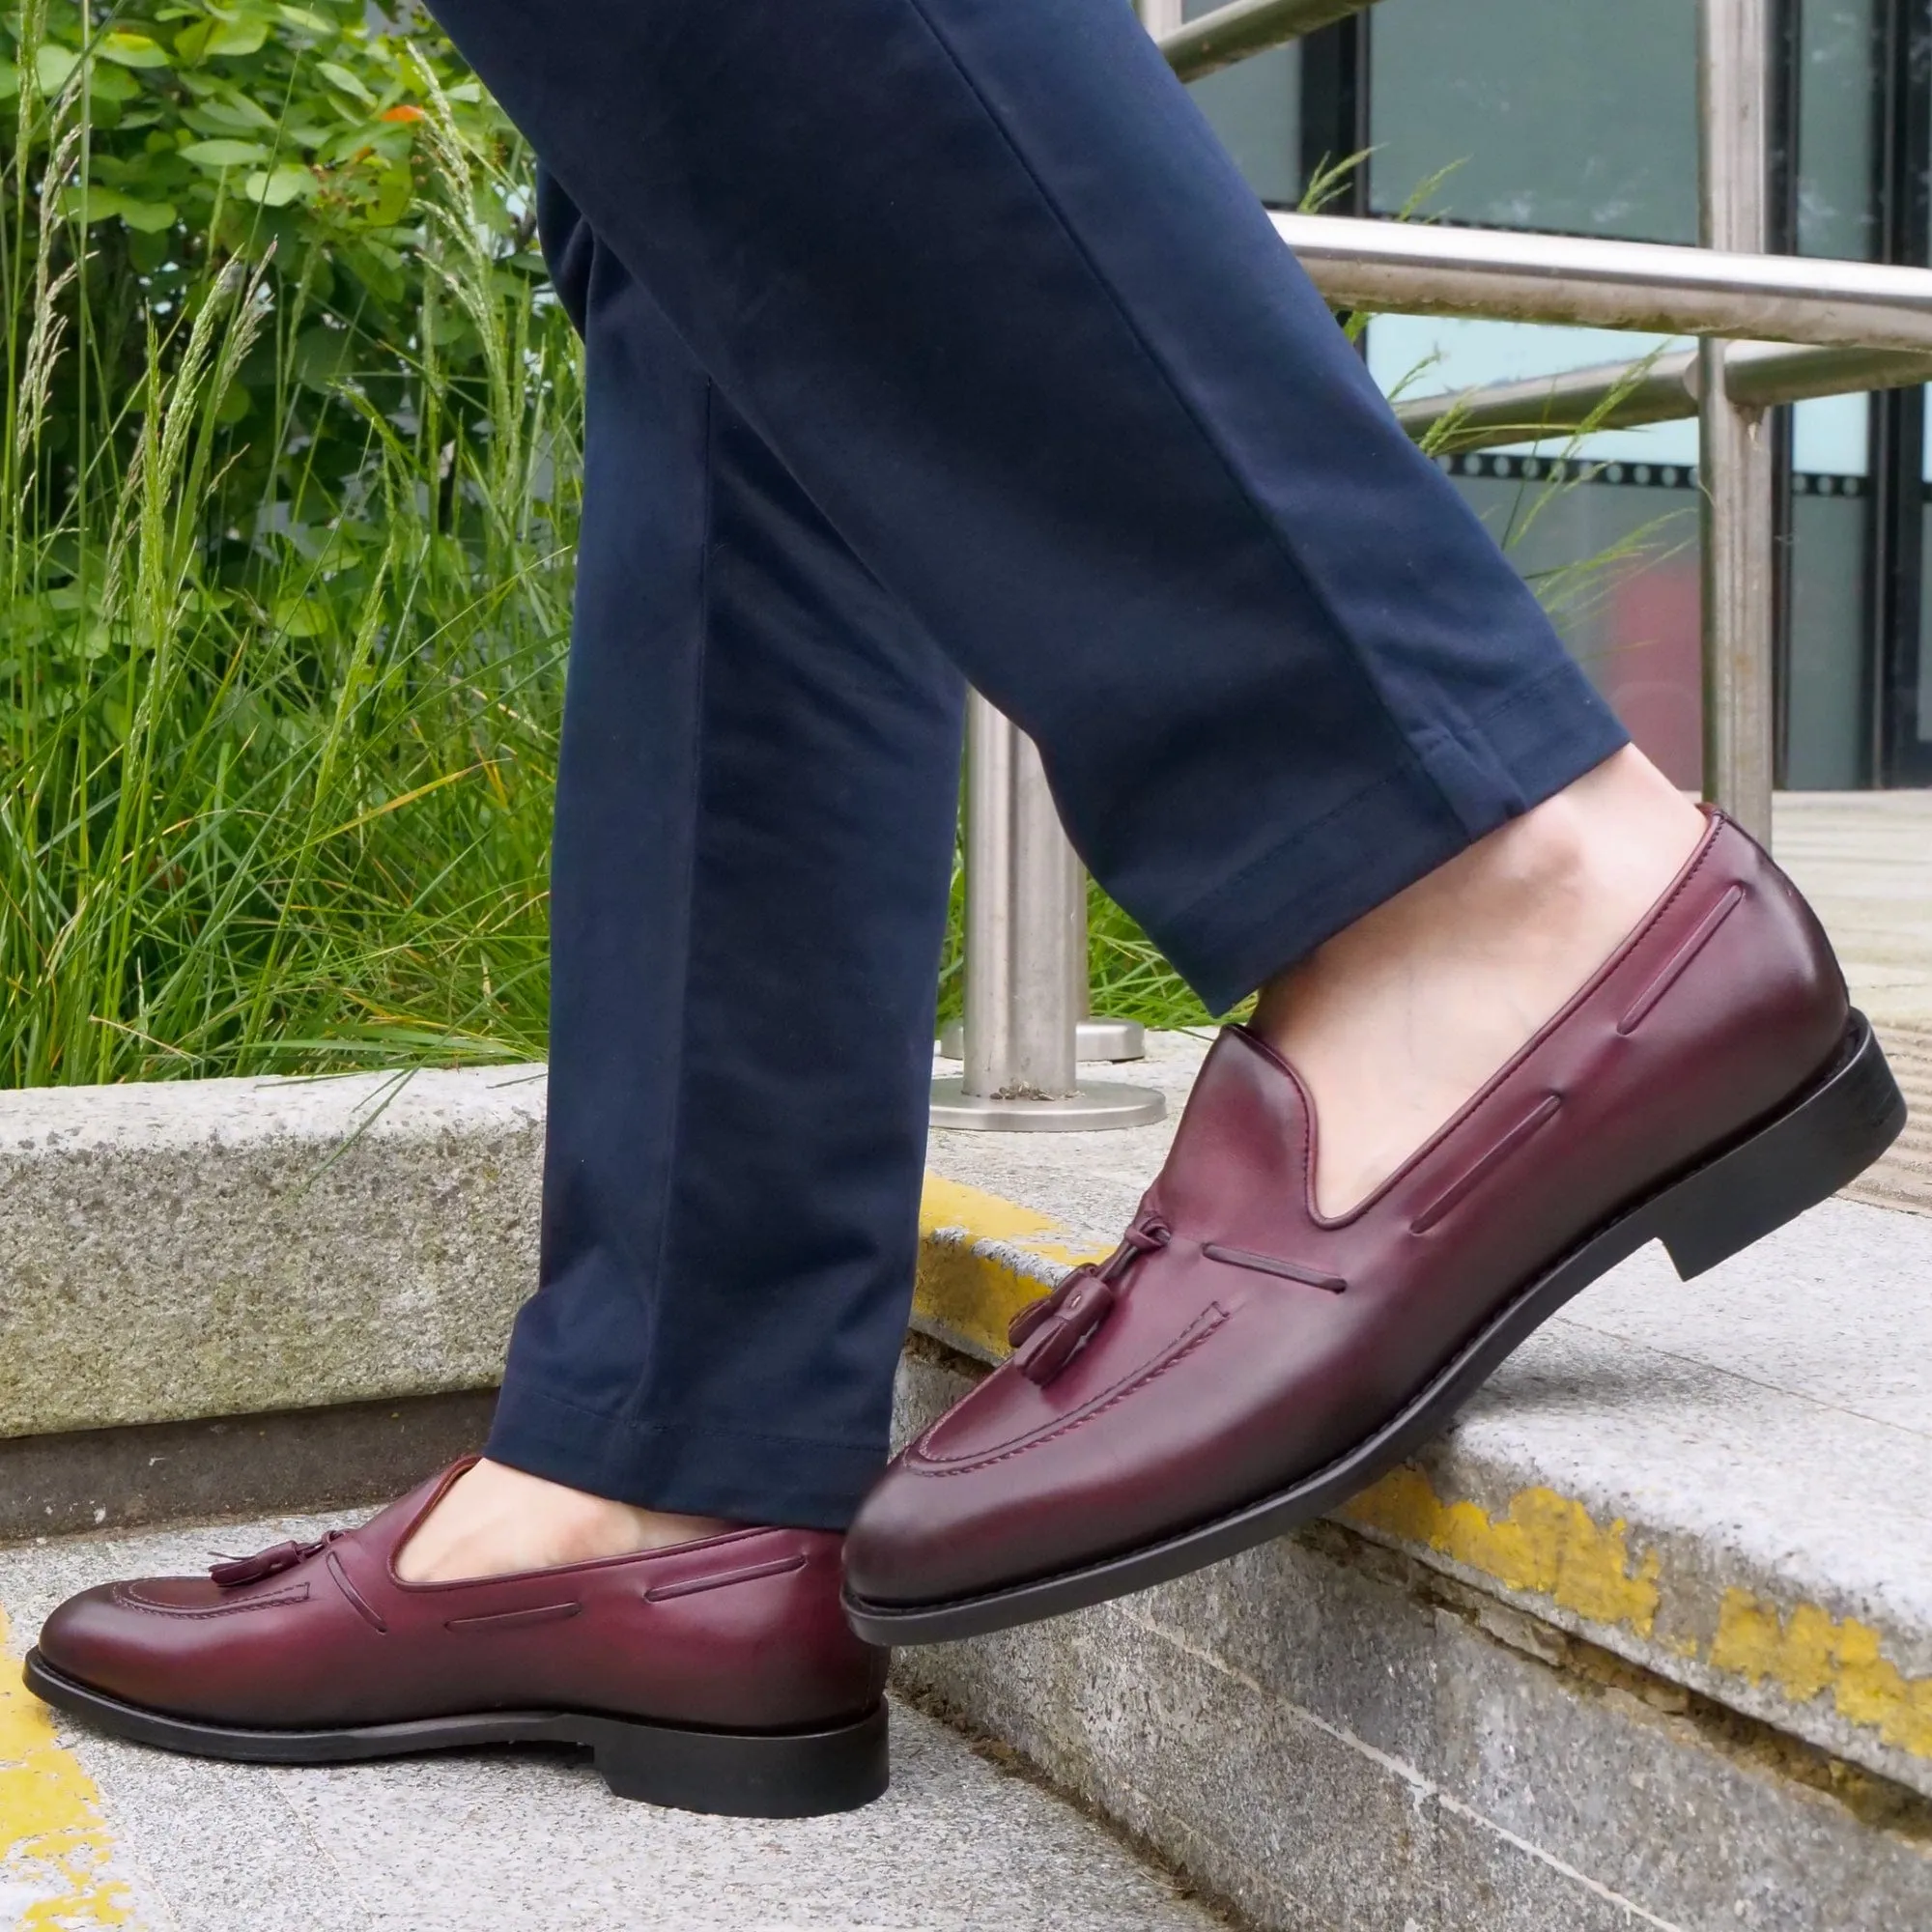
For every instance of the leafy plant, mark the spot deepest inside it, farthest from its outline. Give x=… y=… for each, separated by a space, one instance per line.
x=147 y=147
x=281 y=654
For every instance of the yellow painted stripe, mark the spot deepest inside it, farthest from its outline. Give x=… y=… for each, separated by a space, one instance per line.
x=54 y=1845
x=1544 y=1544
x=1808 y=1654
x=983 y=1259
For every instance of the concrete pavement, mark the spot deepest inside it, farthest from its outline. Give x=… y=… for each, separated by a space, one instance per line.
x=95 y=1833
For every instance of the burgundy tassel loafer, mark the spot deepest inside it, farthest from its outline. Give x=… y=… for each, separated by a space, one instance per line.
x=716 y=1676
x=1243 y=1363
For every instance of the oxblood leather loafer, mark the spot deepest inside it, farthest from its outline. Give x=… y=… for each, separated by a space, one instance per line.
x=1244 y=1363
x=716 y=1676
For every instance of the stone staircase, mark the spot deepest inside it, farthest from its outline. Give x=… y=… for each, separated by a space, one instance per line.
x=1645 y=1640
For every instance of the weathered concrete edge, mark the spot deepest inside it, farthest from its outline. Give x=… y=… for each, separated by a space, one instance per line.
x=1722 y=1626
x=205 y=1248
x=1325 y=1733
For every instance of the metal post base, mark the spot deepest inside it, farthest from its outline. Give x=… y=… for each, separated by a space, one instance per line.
x=1102 y=1104
x=1095 y=1040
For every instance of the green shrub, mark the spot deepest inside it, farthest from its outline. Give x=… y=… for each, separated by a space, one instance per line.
x=179 y=137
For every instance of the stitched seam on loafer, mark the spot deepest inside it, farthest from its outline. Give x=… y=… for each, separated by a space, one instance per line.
x=1486 y=1164
x=123 y=1596
x=357 y=1602
x=1681 y=962
x=1184 y=1343
x=692 y=1586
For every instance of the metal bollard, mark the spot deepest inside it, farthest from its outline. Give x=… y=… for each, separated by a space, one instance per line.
x=1739 y=503
x=1092 y=1039
x=1025 y=928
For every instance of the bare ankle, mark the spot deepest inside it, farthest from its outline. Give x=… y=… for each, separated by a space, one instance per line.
x=1398 y=1020
x=495 y=1519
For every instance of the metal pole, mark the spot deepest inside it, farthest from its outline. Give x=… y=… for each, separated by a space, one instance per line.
x=1228 y=34
x=1413 y=267
x=1652 y=389
x=1092 y=1039
x=1024 y=919
x=1733 y=82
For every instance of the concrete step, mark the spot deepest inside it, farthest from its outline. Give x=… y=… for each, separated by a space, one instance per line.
x=94 y=1833
x=1645 y=1639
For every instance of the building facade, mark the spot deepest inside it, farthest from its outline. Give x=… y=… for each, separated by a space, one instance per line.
x=1571 y=117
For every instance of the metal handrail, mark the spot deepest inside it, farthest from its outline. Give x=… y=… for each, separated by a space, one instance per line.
x=1417 y=269
x=1232 y=33
x=1651 y=389
x=1861 y=326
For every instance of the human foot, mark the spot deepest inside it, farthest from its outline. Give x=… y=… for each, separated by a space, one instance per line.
x=1398 y=1019
x=1244 y=1363
x=716 y=1676
x=494 y=1520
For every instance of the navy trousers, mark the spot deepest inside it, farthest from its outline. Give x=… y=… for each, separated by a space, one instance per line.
x=929 y=340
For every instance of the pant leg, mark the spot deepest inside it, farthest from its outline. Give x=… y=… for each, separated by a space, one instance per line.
x=755 y=824
x=980 y=274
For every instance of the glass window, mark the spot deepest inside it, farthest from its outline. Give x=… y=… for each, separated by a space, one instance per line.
x=1826 y=699
x=1836 y=112
x=1565 y=115
x=1256 y=108
x=1824 y=692
x=1611 y=550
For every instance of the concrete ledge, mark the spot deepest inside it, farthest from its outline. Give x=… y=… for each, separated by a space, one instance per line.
x=308 y=1459
x=1333 y=1736
x=1722 y=1491
x=222 y=1247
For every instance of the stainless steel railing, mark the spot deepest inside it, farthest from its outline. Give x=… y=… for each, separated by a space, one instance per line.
x=1772 y=329
x=1650 y=389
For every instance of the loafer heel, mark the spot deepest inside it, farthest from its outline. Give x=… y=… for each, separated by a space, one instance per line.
x=745 y=1775
x=1823 y=1140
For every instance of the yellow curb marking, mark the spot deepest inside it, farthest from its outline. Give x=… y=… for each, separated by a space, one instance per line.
x=975 y=1276
x=1545 y=1542
x=1808 y=1654
x=53 y=1841
x=975 y=1258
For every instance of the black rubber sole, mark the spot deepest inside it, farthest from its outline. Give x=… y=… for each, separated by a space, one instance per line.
x=1822 y=1140
x=734 y=1773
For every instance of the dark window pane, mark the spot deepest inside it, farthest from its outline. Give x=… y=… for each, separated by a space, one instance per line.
x=1836 y=113
x=1256 y=108
x=1825 y=695
x=1565 y=114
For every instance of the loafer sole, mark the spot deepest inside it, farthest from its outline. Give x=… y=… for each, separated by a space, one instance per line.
x=734 y=1774
x=1821 y=1140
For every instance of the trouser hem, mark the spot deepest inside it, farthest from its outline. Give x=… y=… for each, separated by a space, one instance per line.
x=694 y=1469
x=1397 y=830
